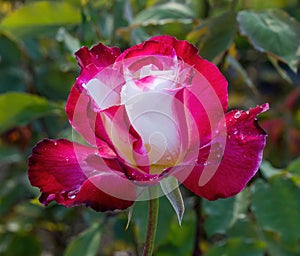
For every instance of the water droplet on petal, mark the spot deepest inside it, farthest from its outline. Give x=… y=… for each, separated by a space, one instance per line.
x=72 y=194
x=168 y=158
x=235 y=131
x=55 y=143
x=67 y=159
x=237 y=114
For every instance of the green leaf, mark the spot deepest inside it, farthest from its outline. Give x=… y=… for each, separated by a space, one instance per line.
x=237 y=247
x=70 y=42
x=294 y=166
x=170 y=188
x=294 y=170
x=234 y=63
x=23 y=244
x=222 y=214
x=273 y=32
x=20 y=108
x=179 y=242
x=276 y=207
x=10 y=193
x=214 y=36
x=268 y=170
x=129 y=216
x=87 y=243
x=244 y=228
x=39 y=16
x=162 y=14
x=53 y=82
x=274 y=248
x=218 y=215
x=240 y=206
x=283 y=73
x=10 y=51
x=9 y=155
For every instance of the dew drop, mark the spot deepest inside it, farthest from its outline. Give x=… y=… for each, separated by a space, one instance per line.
x=71 y=196
x=235 y=131
x=243 y=139
x=168 y=158
x=55 y=143
x=237 y=114
x=247 y=112
x=67 y=159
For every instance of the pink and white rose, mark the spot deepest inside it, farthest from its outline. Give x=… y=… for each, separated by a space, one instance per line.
x=153 y=111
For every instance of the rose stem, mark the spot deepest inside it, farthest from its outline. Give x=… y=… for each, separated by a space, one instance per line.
x=199 y=232
x=153 y=205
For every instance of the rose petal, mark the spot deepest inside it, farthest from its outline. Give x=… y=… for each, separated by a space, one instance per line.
x=59 y=169
x=126 y=141
x=194 y=115
x=54 y=160
x=104 y=192
x=102 y=92
x=148 y=48
x=189 y=54
x=100 y=55
x=92 y=61
x=240 y=162
x=156 y=124
x=82 y=119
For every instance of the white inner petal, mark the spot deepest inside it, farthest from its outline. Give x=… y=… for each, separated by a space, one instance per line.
x=152 y=70
x=102 y=94
x=150 y=109
x=151 y=114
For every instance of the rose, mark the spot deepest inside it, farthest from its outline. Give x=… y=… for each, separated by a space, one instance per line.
x=154 y=111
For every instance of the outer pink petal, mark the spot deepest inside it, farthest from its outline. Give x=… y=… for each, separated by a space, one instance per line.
x=241 y=159
x=99 y=55
x=148 y=48
x=189 y=54
x=194 y=116
x=82 y=119
x=91 y=61
x=61 y=170
x=102 y=192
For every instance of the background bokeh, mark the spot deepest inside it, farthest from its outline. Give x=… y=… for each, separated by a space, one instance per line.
x=256 y=44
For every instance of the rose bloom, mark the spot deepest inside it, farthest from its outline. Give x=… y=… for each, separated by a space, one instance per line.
x=156 y=110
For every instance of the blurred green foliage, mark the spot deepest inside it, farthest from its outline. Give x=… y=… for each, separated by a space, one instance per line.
x=256 y=44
